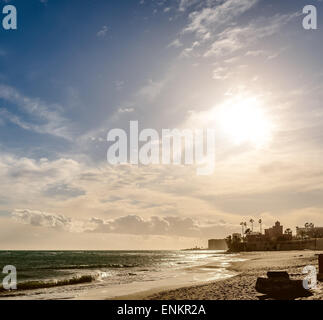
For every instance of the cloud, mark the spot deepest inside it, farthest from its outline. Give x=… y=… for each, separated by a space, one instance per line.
x=131 y=225
x=134 y=224
x=126 y=110
x=25 y=180
x=6 y=115
x=165 y=200
x=63 y=191
x=205 y=22
x=187 y=52
x=238 y=37
x=151 y=90
x=209 y=19
x=221 y=73
x=157 y=200
x=185 y=4
x=209 y=25
x=50 y=120
x=42 y=219
x=176 y=44
x=102 y=32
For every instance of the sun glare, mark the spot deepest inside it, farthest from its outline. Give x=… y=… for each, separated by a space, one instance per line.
x=244 y=121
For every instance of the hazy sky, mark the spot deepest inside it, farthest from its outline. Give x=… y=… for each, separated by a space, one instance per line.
x=76 y=69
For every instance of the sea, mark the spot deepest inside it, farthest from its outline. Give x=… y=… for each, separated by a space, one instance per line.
x=51 y=275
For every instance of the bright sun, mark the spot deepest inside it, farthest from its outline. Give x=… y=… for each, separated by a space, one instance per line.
x=245 y=121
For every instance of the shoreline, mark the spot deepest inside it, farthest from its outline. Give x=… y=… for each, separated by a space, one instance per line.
x=242 y=285
x=189 y=276
x=230 y=277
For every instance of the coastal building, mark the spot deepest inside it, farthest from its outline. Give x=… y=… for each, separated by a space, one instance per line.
x=254 y=236
x=276 y=239
x=309 y=232
x=236 y=237
x=275 y=232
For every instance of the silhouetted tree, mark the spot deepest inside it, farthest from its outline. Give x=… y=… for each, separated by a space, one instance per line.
x=260 y=225
x=242 y=227
x=252 y=221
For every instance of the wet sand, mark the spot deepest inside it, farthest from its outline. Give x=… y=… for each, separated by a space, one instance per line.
x=242 y=286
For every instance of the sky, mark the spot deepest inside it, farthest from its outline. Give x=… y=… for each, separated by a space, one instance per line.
x=73 y=70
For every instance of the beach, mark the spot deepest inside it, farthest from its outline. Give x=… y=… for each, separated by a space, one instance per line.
x=169 y=275
x=242 y=286
x=100 y=275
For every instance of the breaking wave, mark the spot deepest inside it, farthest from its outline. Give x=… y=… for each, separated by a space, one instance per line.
x=39 y=284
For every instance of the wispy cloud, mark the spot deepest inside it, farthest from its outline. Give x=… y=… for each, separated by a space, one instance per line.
x=126 y=110
x=151 y=90
x=176 y=44
x=238 y=37
x=208 y=20
x=102 y=32
x=50 y=118
x=185 y=4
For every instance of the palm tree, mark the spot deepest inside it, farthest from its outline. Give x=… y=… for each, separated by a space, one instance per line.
x=242 y=226
x=252 y=221
x=260 y=224
x=308 y=227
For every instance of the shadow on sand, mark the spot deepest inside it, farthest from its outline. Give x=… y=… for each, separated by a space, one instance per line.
x=285 y=296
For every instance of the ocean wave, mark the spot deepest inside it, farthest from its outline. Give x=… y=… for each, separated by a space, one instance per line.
x=39 y=284
x=75 y=267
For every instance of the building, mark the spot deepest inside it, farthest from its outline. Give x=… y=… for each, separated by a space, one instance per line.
x=236 y=237
x=274 y=239
x=275 y=232
x=309 y=232
x=217 y=244
x=254 y=236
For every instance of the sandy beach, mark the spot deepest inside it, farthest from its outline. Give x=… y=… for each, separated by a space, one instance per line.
x=216 y=276
x=242 y=286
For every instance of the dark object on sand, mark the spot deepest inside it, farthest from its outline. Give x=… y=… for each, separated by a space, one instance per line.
x=278 y=274
x=320 y=275
x=279 y=286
